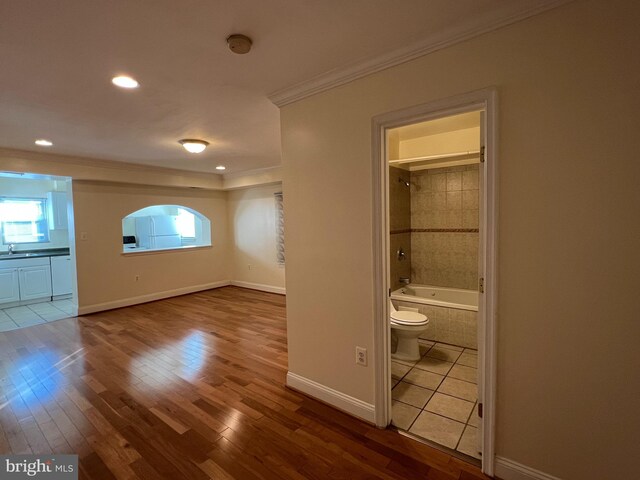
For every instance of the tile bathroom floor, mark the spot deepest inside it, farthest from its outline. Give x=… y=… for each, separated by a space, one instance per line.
x=436 y=398
x=28 y=315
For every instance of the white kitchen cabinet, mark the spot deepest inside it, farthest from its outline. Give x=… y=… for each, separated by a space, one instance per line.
x=61 y=275
x=57 y=210
x=9 y=285
x=35 y=282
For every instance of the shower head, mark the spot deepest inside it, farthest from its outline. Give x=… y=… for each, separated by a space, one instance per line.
x=402 y=180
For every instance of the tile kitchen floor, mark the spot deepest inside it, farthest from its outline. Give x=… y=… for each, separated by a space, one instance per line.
x=28 y=315
x=436 y=397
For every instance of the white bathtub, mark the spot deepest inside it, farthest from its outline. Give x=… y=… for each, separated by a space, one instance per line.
x=439 y=296
x=452 y=312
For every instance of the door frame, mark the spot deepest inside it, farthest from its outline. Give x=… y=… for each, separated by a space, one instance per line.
x=486 y=100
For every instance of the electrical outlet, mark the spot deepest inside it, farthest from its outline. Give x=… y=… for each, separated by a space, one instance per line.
x=137 y=277
x=249 y=266
x=361 y=356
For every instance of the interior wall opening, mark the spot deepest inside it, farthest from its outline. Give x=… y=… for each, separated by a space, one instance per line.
x=434 y=192
x=37 y=250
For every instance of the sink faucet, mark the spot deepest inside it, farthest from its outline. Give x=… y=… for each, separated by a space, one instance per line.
x=11 y=249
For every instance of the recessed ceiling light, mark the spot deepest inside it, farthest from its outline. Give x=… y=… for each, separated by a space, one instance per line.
x=193 y=146
x=43 y=143
x=123 y=81
x=221 y=167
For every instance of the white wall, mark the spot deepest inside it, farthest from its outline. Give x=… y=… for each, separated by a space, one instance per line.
x=569 y=263
x=252 y=214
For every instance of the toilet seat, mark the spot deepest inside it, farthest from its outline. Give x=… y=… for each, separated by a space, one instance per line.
x=403 y=317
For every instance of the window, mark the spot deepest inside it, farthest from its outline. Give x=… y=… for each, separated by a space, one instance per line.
x=23 y=220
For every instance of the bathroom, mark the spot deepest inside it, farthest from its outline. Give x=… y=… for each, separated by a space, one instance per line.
x=434 y=223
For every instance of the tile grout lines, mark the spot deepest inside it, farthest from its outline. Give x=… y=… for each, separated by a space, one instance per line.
x=435 y=389
x=13 y=318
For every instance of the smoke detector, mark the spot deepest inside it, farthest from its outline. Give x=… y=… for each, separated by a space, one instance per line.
x=239 y=44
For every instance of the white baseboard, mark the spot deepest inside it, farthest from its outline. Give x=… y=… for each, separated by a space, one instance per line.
x=126 y=302
x=259 y=286
x=509 y=470
x=337 y=399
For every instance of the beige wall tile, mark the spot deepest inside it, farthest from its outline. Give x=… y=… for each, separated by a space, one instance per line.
x=454 y=181
x=470 y=219
x=439 y=182
x=470 y=179
x=470 y=199
x=454 y=200
x=454 y=219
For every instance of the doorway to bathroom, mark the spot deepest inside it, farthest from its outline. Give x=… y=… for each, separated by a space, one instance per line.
x=435 y=259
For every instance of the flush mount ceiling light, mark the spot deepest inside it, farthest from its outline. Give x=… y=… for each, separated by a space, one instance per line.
x=239 y=43
x=123 y=81
x=43 y=143
x=193 y=146
x=221 y=167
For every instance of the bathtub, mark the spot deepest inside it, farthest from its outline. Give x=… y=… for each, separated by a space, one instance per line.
x=441 y=296
x=452 y=312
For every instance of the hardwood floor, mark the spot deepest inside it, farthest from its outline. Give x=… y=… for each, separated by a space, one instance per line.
x=189 y=388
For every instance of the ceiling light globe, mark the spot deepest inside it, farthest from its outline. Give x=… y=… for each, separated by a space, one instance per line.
x=193 y=146
x=43 y=143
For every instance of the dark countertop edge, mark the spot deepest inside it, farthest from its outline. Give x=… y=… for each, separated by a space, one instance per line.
x=53 y=252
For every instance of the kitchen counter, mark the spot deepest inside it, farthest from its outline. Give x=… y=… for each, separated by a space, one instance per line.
x=51 y=252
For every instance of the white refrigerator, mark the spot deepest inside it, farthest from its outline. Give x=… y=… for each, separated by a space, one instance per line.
x=158 y=231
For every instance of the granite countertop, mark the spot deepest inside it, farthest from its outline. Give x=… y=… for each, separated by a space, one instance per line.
x=51 y=252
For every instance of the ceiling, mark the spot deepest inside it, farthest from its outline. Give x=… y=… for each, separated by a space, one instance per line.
x=434 y=127
x=58 y=58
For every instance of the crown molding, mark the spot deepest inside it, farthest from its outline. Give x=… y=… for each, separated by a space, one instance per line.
x=92 y=162
x=341 y=76
x=252 y=178
x=256 y=171
x=90 y=169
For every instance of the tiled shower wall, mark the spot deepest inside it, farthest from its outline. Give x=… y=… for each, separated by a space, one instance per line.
x=444 y=227
x=400 y=225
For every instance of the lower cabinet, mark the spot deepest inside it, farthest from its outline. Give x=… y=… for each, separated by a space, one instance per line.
x=9 y=285
x=35 y=282
x=25 y=280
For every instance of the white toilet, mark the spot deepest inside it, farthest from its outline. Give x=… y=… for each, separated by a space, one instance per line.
x=406 y=327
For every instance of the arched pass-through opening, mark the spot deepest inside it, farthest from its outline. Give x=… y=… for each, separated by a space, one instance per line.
x=165 y=227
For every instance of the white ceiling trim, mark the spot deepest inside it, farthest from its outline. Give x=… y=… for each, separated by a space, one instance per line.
x=341 y=76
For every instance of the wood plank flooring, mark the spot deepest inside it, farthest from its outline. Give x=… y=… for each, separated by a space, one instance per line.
x=189 y=388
